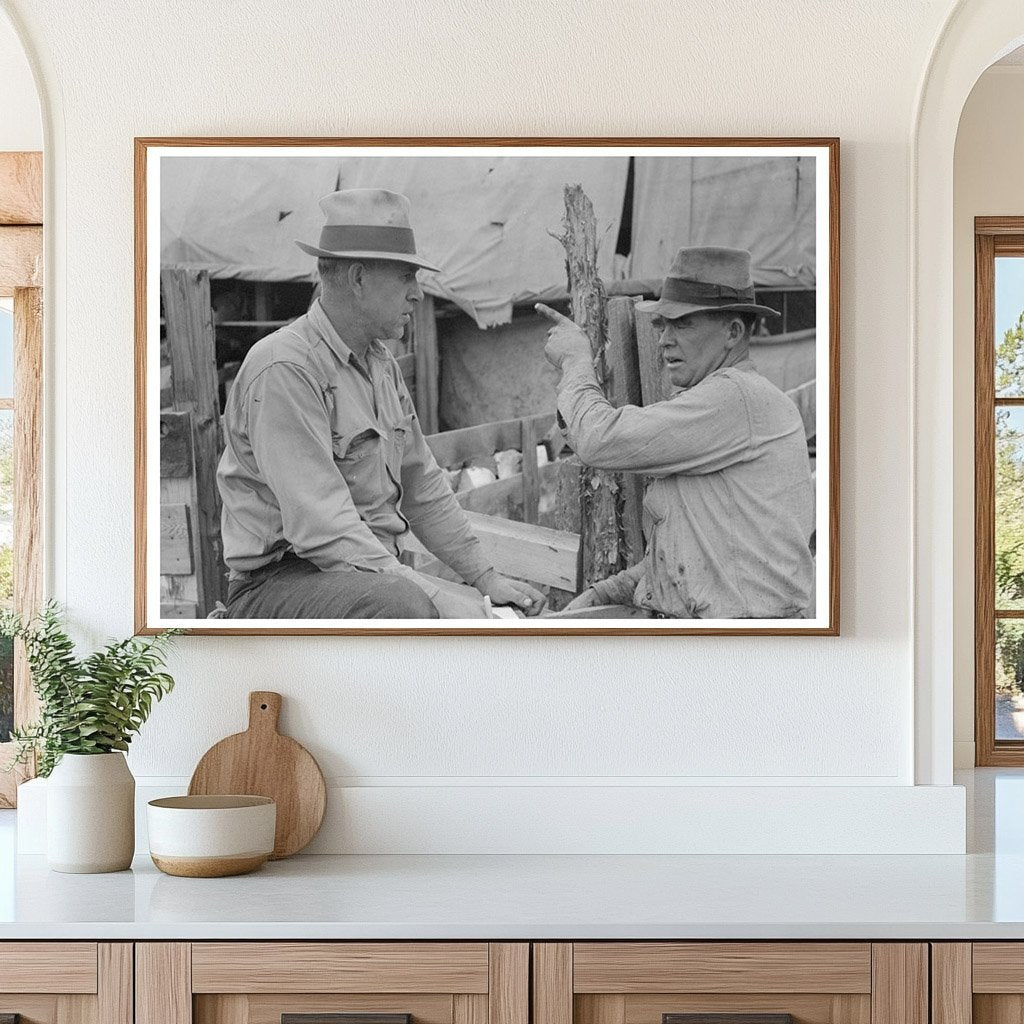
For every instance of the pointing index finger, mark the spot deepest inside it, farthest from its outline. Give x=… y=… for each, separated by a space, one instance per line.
x=552 y=314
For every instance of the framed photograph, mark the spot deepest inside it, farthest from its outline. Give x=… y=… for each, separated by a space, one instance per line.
x=499 y=386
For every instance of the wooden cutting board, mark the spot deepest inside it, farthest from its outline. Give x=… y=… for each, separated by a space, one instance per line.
x=262 y=762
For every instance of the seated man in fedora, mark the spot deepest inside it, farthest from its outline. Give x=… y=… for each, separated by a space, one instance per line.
x=731 y=504
x=325 y=469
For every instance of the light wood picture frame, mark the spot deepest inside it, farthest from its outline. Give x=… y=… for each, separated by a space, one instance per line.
x=216 y=270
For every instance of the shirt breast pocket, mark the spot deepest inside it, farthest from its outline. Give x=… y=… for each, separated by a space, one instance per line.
x=358 y=458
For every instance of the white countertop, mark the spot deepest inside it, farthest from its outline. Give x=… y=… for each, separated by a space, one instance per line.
x=977 y=896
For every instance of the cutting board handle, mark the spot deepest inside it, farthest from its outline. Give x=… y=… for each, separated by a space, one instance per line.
x=264 y=710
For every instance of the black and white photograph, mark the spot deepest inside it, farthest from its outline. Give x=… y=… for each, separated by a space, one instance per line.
x=482 y=386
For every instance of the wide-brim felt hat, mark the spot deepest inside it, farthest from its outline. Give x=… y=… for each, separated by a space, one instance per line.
x=704 y=279
x=367 y=223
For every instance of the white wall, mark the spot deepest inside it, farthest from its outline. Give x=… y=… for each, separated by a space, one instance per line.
x=987 y=182
x=430 y=716
x=21 y=127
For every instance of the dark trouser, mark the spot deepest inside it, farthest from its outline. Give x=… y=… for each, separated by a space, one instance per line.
x=295 y=588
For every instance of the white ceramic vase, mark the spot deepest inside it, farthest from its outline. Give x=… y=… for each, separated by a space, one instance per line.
x=90 y=814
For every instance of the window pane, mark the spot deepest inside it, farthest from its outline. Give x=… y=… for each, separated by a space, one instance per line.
x=6 y=567
x=1009 y=574
x=6 y=353
x=1009 y=679
x=1009 y=320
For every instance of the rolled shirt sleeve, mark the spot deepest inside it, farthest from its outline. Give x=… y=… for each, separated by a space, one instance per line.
x=701 y=430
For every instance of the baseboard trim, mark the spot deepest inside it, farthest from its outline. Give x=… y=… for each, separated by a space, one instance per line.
x=452 y=819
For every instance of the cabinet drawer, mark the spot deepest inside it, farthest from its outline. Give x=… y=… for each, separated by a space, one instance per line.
x=329 y=982
x=730 y=983
x=66 y=982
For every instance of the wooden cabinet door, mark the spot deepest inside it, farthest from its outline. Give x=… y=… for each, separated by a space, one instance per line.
x=978 y=983
x=66 y=982
x=730 y=983
x=332 y=983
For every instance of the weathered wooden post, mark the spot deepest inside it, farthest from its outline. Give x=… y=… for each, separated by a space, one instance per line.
x=602 y=544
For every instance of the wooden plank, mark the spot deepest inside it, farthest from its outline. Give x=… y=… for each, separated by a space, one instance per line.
x=528 y=552
x=552 y=983
x=175 y=445
x=467 y=1009
x=21 y=188
x=175 y=541
x=424 y=339
x=951 y=1000
x=28 y=484
x=21 y=259
x=722 y=967
x=229 y=1009
x=508 y=990
x=624 y=378
x=163 y=983
x=899 y=990
x=339 y=967
x=178 y=591
x=531 y=473
x=997 y=1009
x=115 y=983
x=190 y=338
x=998 y=967
x=407 y=366
x=76 y=1009
x=654 y=386
x=984 y=504
x=66 y=967
x=504 y=498
x=602 y=553
x=605 y=1009
x=455 y=448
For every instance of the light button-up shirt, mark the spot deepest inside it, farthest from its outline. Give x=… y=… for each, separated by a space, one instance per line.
x=324 y=457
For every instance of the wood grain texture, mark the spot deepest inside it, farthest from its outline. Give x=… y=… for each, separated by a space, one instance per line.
x=806 y=1008
x=552 y=983
x=998 y=967
x=984 y=502
x=998 y=1009
x=508 y=993
x=28 y=483
x=424 y=339
x=76 y=1009
x=163 y=983
x=528 y=552
x=606 y=1009
x=468 y=1009
x=951 y=983
x=191 y=342
x=21 y=188
x=262 y=762
x=757 y=967
x=21 y=259
x=225 y=1009
x=145 y=145
x=115 y=997
x=303 y=967
x=65 y=967
x=22 y=1008
x=268 y=1009
x=899 y=991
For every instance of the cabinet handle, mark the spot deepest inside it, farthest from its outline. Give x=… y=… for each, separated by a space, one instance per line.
x=337 y=1018
x=727 y=1018
x=10 y=1018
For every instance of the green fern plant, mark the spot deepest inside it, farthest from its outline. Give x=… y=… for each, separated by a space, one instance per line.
x=89 y=705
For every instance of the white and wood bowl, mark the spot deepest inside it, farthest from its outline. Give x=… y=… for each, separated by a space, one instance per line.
x=211 y=836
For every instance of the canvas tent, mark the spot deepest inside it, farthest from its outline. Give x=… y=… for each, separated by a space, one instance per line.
x=487 y=221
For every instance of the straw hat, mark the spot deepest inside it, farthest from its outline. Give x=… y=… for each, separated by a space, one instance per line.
x=366 y=222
